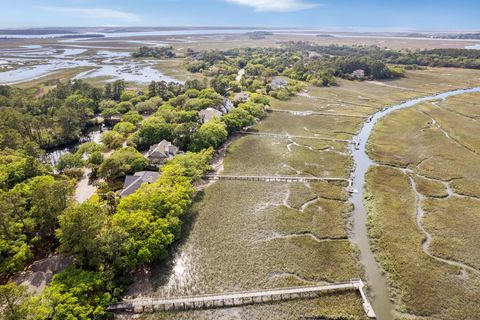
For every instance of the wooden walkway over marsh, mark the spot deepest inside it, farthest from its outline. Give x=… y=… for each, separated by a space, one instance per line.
x=273 y=178
x=235 y=299
x=289 y=136
x=309 y=113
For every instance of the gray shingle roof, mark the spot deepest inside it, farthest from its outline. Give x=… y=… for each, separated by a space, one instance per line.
x=132 y=183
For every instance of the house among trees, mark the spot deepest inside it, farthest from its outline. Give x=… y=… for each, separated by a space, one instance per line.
x=208 y=114
x=227 y=106
x=241 y=97
x=132 y=183
x=278 y=83
x=359 y=74
x=162 y=151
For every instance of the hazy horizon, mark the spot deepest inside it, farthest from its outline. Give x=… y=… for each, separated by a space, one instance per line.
x=369 y=15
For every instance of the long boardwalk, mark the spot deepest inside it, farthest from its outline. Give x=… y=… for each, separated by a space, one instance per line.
x=235 y=299
x=272 y=178
x=308 y=113
x=289 y=136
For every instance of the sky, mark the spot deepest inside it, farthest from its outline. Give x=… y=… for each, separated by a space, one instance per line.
x=362 y=14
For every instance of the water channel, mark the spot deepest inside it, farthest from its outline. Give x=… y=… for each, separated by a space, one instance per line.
x=376 y=280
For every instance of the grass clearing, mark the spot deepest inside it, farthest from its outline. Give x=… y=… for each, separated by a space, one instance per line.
x=365 y=97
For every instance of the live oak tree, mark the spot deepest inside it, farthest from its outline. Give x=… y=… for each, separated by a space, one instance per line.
x=13 y=302
x=79 y=232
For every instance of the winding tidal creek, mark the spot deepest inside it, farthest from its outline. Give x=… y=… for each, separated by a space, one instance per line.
x=376 y=280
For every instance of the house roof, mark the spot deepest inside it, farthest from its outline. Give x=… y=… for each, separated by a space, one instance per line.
x=209 y=113
x=278 y=82
x=133 y=183
x=241 y=96
x=162 y=149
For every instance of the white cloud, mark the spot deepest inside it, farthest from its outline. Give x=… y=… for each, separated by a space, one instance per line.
x=276 y=5
x=96 y=13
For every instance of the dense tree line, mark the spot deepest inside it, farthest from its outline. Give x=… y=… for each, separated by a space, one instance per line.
x=178 y=121
x=459 y=58
x=56 y=118
x=31 y=199
x=155 y=52
x=459 y=36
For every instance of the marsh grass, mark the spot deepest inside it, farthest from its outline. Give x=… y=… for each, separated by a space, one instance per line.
x=454 y=225
x=252 y=235
x=226 y=246
x=345 y=306
x=458 y=127
x=323 y=126
x=430 y=188
x=174 y=68
x=259 y=155
x=422 y=146
x=466 y=187
x=467 y=104
x=322 y=218
x=422 y=285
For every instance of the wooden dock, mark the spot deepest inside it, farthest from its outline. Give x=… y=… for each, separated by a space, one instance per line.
x=308 y=113
x=272 y=178
x=289 y=136
x=236 y=299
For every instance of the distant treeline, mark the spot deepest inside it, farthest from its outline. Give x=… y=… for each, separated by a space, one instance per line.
x=459 y=58
x=69 y=36
x=303 y=61
x=257 y=35
x=155 y=52
x=34 y=31
x=460 y=36
x=472 y=36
